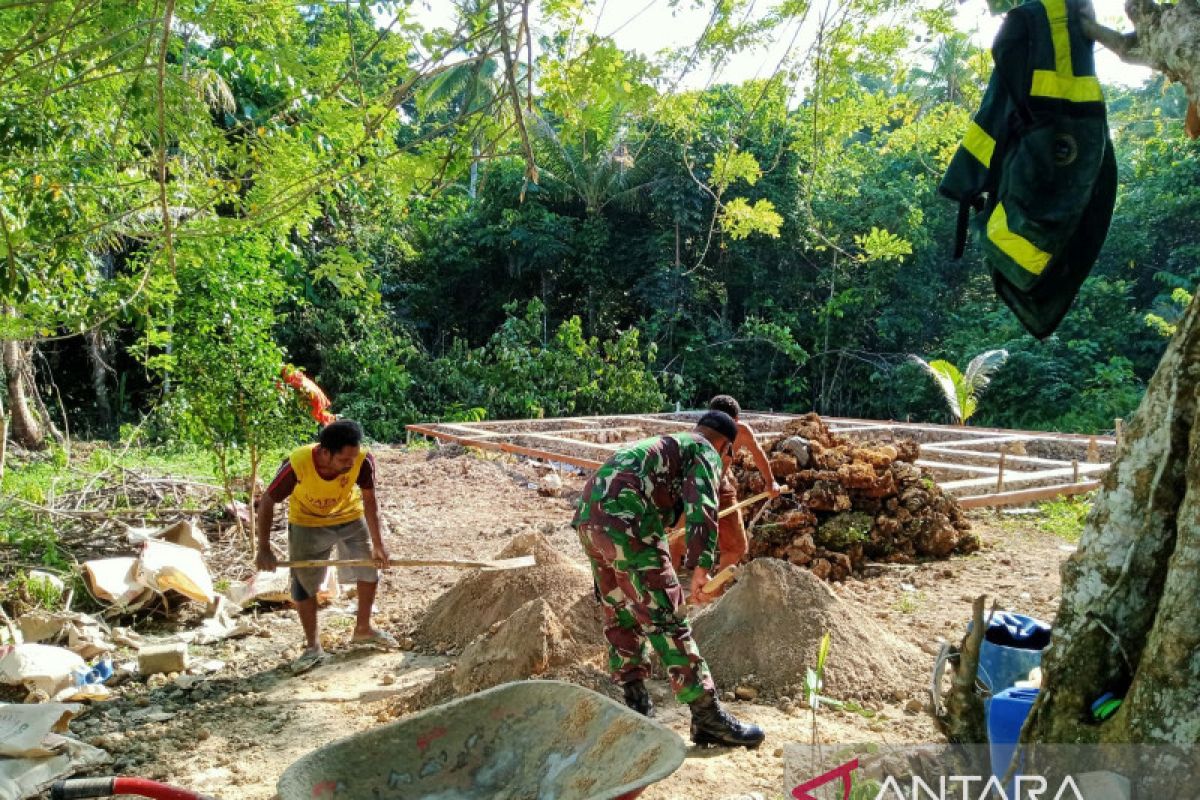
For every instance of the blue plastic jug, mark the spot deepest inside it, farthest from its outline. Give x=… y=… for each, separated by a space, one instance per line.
x=1012 y=646
x=1005 y=716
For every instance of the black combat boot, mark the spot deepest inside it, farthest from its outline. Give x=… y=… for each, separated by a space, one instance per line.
x=637 y=698
x=712 y=724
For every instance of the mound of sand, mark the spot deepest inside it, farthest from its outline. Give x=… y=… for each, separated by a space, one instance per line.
x=480 y=600
x=765 y=632
x=525 y=645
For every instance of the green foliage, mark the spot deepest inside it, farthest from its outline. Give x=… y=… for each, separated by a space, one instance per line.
x=354 y=198
x=814 y=677
x=911 y=602
x=845 y=529
x=25 y=591
x=733 y=166
x=224 y=361
x=740 y=219
x=1066 y=517
x=30 y=481
x=518 y=373
x=33 y=537
x=879 y=245
x=1180 y=299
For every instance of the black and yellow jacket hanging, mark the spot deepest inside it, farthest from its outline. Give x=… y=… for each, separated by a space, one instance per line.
x=1037 y=164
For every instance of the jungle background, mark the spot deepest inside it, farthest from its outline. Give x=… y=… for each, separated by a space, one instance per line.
x=506 y=218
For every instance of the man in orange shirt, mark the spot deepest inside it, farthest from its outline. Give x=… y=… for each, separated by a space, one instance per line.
x=318 y=401
x=731 y=537
x=331 y=486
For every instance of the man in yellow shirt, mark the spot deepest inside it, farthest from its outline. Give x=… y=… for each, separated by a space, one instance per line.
x=331 y=486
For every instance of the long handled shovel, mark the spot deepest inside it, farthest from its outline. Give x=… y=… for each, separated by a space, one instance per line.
x=677 y=534
x=492 y=565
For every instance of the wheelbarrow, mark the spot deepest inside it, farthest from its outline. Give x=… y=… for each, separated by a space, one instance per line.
x=529 y=740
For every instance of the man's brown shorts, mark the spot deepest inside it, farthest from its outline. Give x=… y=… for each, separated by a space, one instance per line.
x=352 y=541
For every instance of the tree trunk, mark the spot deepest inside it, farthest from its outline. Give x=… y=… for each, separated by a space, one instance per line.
x=97 y=345
x=1127 y=621
x=1168 y=39
x=473 y=186
x=39 y=403
x=3 y=437
x=25 y=429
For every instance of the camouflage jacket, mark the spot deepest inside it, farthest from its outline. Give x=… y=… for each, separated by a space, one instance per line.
x=664 y=473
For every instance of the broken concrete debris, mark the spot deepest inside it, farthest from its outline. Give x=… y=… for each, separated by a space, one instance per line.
x=50 y=651
x=164 y=658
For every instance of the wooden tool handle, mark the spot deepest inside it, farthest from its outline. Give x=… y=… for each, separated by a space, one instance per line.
x=675 y=535
x=738 y=506
x=504 y=563
x=720 y=579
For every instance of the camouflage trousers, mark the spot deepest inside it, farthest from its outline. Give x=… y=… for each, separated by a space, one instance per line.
x=643 y=604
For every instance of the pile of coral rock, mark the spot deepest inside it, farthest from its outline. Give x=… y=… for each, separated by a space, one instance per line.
x=851 y=503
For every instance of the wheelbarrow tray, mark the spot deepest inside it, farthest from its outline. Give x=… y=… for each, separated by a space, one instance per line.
x=536 y=740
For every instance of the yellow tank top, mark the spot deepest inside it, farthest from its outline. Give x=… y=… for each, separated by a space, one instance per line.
x=318 y=503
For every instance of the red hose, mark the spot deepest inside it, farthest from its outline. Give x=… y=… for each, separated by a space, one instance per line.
x=155 y=790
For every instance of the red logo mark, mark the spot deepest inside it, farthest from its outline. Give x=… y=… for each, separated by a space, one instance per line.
x=801 y=792
x=328 y=788
x=429 y=738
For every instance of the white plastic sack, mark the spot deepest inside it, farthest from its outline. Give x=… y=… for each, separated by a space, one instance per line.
x=274 y=587
x=28 y=777
x=83 y=634
x=114 y=581
x=184 y=533
x=39 y=667
x=164 y=566
x=24 y=727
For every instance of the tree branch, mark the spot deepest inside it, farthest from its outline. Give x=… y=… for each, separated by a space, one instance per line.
x=168 y=231
x=510 y=75
x=1123 y=44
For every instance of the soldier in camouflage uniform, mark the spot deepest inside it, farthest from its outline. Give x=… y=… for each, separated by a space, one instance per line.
x=621 y=522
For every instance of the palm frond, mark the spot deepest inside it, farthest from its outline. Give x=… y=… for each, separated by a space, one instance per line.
x=949 y=380
x=982 y=367
x=210 y=87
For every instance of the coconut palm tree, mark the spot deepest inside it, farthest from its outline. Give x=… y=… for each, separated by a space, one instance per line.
x=962 y=389
x=470 y=87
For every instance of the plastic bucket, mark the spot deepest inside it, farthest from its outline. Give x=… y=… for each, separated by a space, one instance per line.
x=1012 y=646
x=1005 y=716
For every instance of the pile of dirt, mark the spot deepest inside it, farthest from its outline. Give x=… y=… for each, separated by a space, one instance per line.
x=766 y=630
x=511 y=625
x=528 y=643
x=851 y=502
x=481 y=599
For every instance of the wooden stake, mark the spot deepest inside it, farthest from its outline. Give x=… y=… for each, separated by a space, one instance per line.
x=1000 y=474
x=1022 y=496
x=504 y=563
x=1074 y=472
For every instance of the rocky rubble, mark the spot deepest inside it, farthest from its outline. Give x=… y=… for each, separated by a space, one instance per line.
x=851 y=503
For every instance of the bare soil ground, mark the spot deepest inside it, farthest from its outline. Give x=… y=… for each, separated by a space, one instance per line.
x=233 y=733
